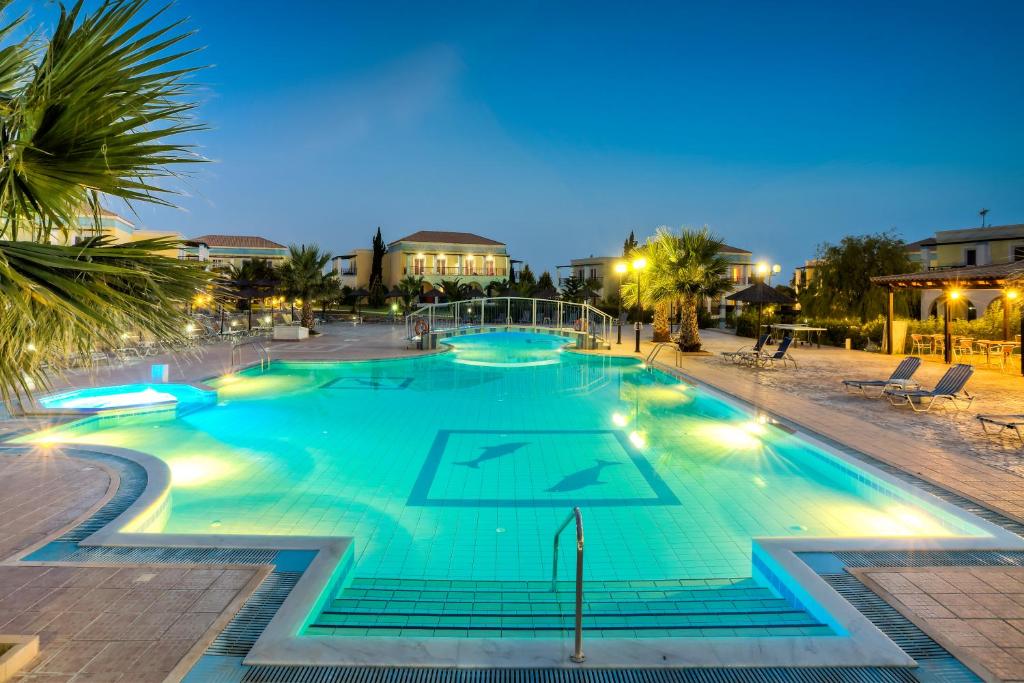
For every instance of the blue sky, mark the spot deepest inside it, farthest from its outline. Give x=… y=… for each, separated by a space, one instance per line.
x=559 y=127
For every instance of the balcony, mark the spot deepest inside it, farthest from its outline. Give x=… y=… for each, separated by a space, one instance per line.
x=456 y=271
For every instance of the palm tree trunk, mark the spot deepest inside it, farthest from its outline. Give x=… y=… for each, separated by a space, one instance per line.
x=662 y=332
x=689 y=334
x=307 y=314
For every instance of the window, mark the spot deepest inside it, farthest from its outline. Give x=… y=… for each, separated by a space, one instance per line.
x=419 y=265
x=971 y=257
x=489 y=265
x=441 y=262
x=1018 y=253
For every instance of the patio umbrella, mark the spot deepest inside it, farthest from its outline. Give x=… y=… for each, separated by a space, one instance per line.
x=546 y=293
x=761 y=294
x=358 y=294
x=395 y=293
x=587 y=294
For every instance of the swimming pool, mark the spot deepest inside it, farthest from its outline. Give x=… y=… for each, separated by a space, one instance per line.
x=452 y=471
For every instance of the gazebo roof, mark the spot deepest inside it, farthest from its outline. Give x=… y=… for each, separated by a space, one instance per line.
x=991 y=276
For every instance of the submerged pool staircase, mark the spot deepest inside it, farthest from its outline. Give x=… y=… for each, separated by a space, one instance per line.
x=529 y=609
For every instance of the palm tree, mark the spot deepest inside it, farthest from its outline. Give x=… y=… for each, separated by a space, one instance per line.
x=496 y=287
x=98 y=111
x=303 y=277
x=681 y=269
x=454 y=290
x=411 y=287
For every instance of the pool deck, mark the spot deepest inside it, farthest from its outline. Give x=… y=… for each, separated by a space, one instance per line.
x=136 y=623
x=947 y=449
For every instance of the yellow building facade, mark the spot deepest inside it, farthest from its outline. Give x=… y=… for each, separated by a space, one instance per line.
x=966 y=248
x=434 y=255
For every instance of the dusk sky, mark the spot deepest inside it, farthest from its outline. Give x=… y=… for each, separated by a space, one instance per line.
x=560 y=129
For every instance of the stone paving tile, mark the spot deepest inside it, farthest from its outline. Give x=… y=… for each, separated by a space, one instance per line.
x=126 y=624
x=971 y=621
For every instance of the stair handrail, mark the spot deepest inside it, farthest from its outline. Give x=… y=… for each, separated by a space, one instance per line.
x=577 y=655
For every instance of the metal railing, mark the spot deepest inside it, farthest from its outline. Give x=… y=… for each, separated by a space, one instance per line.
x=262 y=353
x=577 y=652
x=518 y=311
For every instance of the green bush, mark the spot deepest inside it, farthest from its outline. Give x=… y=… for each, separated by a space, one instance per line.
x=863 y=335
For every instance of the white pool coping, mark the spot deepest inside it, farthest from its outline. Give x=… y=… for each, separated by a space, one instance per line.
x=861 y=643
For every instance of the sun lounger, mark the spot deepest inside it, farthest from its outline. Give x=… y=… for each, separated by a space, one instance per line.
x=950 y=389
x=899 y=379
x=735 y=355
x=994 y=425
x=762 y=359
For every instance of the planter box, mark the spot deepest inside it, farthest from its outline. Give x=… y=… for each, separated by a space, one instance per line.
x=290 y=333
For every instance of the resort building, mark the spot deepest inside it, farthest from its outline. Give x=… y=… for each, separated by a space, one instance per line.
x=803 y=275
x=601 y=269
x=119 y=229
x=963 y=249
x=434 y=255
x=223 y=251
x=597 y=270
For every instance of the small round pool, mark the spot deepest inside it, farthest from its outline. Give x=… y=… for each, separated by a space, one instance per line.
x=96 y=399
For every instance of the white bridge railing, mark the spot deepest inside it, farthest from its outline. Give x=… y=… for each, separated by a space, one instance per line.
x=517 y=311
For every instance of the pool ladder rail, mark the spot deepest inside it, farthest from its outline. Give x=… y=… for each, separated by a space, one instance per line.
x=262 y=353
x=577 y=654
x=653 y=355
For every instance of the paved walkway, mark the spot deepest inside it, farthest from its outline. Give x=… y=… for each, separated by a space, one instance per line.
x=95 y=623
x=977 y=613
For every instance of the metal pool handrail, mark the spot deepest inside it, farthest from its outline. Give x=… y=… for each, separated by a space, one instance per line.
x=261 y=352
x=577 y=654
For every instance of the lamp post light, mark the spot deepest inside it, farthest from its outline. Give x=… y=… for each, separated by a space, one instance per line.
x=765 y=272
x=638 y=265
x=621 y=269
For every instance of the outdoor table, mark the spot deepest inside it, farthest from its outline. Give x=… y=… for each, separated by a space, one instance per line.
x=795 y=329
x=987 y=344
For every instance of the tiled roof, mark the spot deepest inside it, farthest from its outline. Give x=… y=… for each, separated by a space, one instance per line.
x=448 y=237
x=733 y=250
x=237 y=241
x=926 y=242
x=991 y=275
x=993 y=232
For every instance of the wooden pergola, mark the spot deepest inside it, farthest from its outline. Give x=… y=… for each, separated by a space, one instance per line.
x=1003 y=276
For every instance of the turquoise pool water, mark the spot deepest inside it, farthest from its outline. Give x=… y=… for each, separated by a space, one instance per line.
x=126 y=396
x=460 y=466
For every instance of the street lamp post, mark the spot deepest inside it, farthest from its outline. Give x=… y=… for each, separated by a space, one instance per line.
x=620 y=268
x=638 y=265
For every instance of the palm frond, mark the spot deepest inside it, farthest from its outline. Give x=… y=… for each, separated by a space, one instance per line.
x=60 y=301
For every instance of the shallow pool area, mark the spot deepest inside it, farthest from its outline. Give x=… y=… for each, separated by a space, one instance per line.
x=452 y=471
x=98 y=399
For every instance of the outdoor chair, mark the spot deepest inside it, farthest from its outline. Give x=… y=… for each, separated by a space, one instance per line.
x=899 y=379
x=763 y=360
x=995 y=425
x=919 y=346
x=949 y=390
x=963 y=347
x=736 y=355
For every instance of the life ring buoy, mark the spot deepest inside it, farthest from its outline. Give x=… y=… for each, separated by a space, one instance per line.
x=578 y=325
x=421 y=327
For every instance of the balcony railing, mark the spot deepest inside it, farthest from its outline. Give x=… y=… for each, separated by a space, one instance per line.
x=462 y=271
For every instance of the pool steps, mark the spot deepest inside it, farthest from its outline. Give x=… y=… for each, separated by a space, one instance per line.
x=524 y=609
